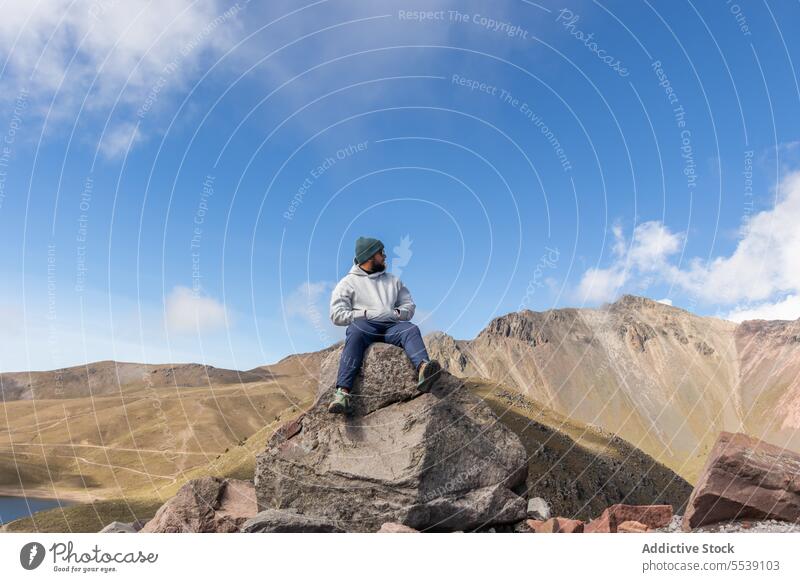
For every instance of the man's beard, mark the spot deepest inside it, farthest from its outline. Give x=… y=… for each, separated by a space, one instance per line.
x=376 y=268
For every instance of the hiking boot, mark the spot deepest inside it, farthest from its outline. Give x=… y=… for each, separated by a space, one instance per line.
x=429 y=372
x=340 y=403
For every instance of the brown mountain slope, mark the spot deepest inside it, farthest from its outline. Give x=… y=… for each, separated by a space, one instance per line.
x=109 y=377
x=305 y=365
x=662 y=378
x=139 y=430
x=769 y=383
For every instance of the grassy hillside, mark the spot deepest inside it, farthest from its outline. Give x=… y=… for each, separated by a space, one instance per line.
x=141 y=503
x=123 y=455
x=146 y=439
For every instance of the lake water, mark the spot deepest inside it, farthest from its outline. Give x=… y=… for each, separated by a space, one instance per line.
x=12 y=508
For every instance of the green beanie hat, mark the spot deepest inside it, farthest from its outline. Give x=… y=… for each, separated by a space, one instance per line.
x=365 y=248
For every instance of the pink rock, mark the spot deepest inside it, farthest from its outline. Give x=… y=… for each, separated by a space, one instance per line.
x=237 y=505
x=652 y=516
x=208 y=504
x=745 y=477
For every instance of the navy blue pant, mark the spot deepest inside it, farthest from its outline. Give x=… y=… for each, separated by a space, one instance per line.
x=362 y=332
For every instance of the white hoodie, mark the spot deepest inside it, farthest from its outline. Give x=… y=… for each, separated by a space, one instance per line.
x=373 y=296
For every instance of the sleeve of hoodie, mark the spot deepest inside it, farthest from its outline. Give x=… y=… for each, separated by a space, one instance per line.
x=341 y=309
x=405 y=304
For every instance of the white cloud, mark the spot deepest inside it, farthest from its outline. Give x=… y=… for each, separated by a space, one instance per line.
x=647 y=254
x=187 y=311
x=120 y=139
x=109 y=52
x=402 y=254
x=665 y=301
x=762 y=268
x=97 y=325
x=310 y=302
x=601 y=284
x=652 y=244
x=765 y=261
x=787 y=308
x=309 y=299
x=331 y=31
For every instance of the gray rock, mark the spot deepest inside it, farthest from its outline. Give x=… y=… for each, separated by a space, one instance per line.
x=439 y=460
x=119 y=527
x=286 y=521
x=538 y=508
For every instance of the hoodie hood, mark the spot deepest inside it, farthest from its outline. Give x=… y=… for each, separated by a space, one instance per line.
x=356 y=270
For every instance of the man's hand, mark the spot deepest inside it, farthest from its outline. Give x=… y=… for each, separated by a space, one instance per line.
x=375 y=315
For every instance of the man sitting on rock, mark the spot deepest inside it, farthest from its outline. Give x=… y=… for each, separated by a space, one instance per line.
x=375 y=306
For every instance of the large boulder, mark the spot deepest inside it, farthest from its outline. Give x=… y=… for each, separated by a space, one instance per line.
x=439 y=461
x=205 y=505
x=745 y=477
x=286 y=521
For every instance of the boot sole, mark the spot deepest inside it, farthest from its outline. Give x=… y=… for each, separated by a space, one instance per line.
x=432 y=373
x=337 y=408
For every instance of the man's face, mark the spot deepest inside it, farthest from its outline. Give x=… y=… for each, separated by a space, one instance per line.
x=378 y=261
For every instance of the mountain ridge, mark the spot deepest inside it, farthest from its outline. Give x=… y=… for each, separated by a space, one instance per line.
x=626 y=298
x=662 y=377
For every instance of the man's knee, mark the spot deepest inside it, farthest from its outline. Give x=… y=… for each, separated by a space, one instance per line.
x=412 y=329
x=405 y=326
x=402 y=330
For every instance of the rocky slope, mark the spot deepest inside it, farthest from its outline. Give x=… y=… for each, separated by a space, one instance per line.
x=580 y=470
x=662 y=378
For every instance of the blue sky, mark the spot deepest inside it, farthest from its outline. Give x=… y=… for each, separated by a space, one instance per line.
x=184 y=181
